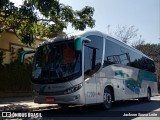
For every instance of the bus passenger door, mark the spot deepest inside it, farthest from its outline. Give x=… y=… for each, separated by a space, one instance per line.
x=92 y=63
x=90 y=89
x=89 y=75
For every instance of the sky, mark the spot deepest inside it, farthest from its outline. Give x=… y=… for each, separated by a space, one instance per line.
x=143 y=14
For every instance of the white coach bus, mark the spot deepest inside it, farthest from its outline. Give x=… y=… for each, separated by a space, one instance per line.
x=90 y=68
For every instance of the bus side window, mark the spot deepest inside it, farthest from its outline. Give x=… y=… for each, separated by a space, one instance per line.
x=115 y=54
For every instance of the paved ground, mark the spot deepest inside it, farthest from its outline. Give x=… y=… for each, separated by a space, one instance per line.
x=52 y=111
x=138 y=110
x=22 y=104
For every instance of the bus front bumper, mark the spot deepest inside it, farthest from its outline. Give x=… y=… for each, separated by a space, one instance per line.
x=73 y=98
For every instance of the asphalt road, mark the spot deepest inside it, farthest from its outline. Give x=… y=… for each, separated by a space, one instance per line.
x=134 y=108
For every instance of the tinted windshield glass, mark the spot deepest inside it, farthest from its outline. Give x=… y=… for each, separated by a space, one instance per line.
x=56 y=61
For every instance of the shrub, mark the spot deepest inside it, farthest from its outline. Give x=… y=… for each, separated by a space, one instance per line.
x=15 y=77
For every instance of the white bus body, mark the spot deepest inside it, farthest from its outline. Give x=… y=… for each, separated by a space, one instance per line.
x=110 y=71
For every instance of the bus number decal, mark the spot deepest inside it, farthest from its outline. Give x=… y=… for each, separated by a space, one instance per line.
x=91 y=94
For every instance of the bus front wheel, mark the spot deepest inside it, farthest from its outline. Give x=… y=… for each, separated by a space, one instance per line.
x=107 y=99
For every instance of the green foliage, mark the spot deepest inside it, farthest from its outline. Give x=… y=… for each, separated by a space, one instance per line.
x=39 y=18
x=15 y=76
x=2 y=55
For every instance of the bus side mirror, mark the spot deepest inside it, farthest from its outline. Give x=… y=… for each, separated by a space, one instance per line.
x=78 y=42
x=23 y=53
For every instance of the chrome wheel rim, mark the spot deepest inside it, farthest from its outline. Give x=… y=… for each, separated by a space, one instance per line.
x=107 y=98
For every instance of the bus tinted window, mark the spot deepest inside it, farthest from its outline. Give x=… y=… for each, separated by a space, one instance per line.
x=141 y=62
x=115 y=54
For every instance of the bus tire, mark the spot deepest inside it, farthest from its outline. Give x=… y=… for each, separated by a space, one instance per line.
x=107 y=99
x=148 y=98
x=63 y=106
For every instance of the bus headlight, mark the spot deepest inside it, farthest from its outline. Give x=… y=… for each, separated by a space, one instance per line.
x=73 y=89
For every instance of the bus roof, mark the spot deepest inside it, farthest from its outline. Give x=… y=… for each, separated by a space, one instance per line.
x=98 y=33
x=107 y=37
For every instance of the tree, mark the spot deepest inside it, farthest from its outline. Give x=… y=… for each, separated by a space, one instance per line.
x=152 y=50
x=138 y=42
x=124 y=33
x=39 y=18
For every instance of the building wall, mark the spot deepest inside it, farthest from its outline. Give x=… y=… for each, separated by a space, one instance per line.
x=9 y=40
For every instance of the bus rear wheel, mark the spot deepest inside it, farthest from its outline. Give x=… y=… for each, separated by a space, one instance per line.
x=107 y=99
x=148 y=98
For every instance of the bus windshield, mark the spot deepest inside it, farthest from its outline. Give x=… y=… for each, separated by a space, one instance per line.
x=56 y=61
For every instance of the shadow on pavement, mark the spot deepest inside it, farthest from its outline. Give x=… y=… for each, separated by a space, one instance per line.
x=15 y=108
x=118 y=110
